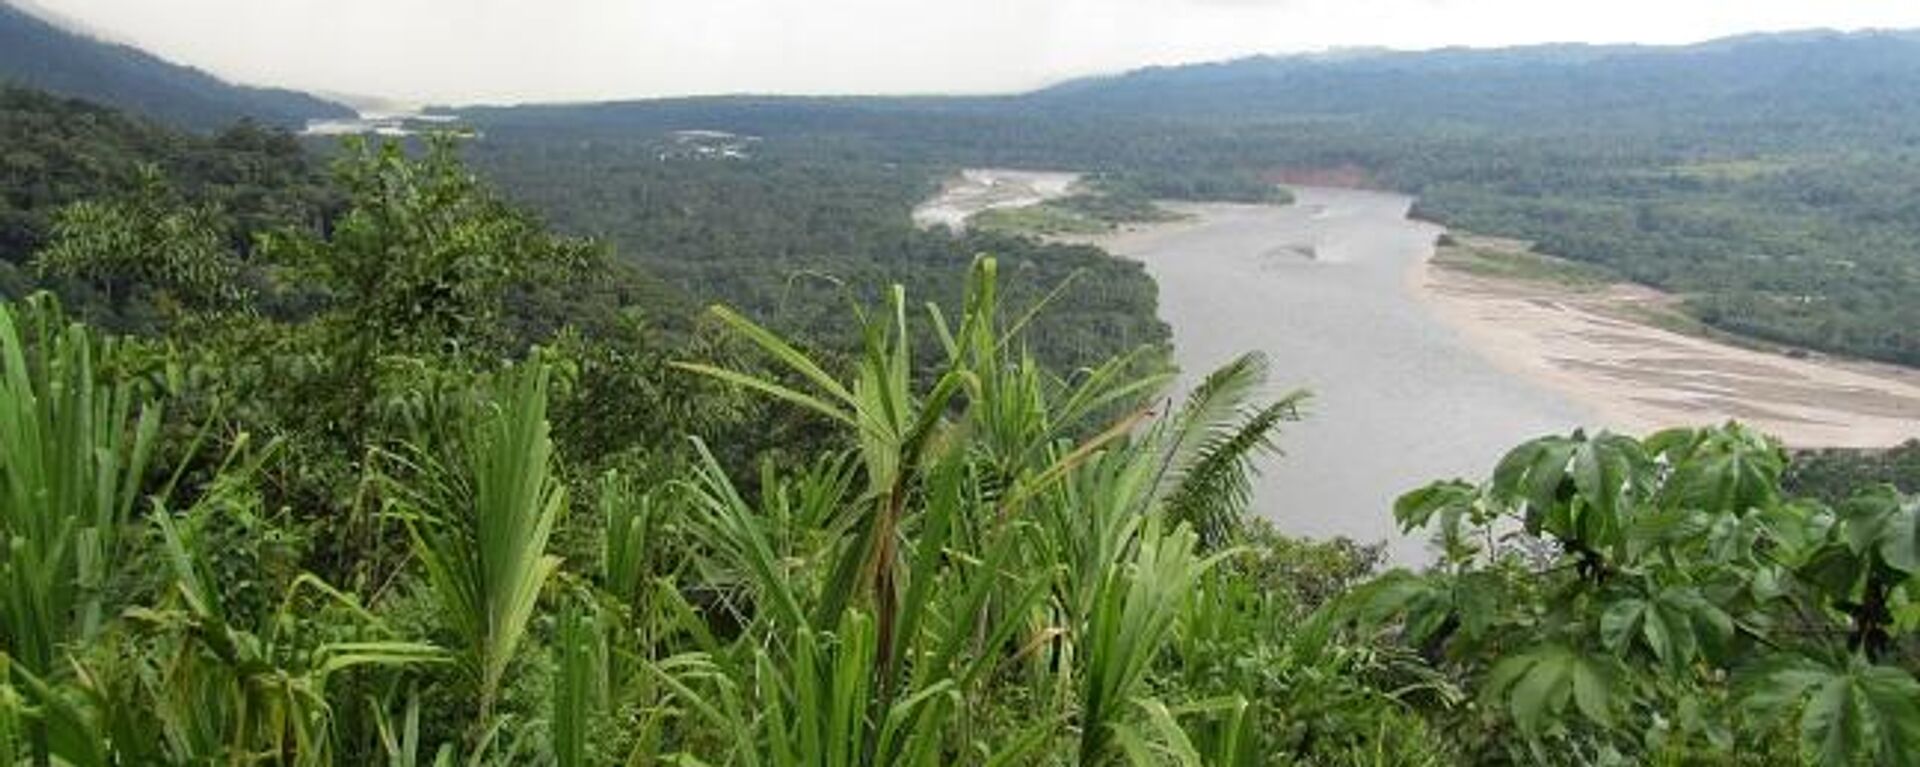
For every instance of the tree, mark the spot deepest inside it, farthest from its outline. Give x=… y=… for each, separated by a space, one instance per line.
x=422 y=257
x=148 y=245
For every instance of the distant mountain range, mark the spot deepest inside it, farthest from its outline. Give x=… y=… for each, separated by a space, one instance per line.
x=1775 y=76
x=55 y=57
x=1806 y=81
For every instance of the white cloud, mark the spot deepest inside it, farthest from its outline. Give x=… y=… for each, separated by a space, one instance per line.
x=516 y=50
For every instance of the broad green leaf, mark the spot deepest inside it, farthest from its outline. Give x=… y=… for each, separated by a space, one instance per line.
x=1620 y=621
x=1415 y=509
x=1853 y=713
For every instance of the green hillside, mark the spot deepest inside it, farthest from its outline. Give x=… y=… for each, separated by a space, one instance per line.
x=36 y=53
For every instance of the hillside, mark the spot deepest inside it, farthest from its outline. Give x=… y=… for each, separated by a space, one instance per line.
x=43 y=55
x=1755 y=80
x=61 y=150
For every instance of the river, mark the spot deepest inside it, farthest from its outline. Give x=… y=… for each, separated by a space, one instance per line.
x=1323 y=288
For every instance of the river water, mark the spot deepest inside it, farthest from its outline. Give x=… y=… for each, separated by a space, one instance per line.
x=1322 y=287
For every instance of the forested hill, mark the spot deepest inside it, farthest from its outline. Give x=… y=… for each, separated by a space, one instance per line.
x=43 y=55
x=1784 y=80
x=1817 y=80
x=60 y=151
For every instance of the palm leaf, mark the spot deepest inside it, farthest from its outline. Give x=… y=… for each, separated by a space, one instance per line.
x=485 y=550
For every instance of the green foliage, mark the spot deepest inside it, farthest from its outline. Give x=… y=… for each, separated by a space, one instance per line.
x=1102 y=208
x=937 y=595
x=1043 y=220
x=483 y=535
x=1134 y=611
x=1846 y=713
x=1832 y=475
x=794 y=234
x=985 y=547
x=72 y=454
x=925 y=542
x=1515 y=261
x=1214 y=491
x=423 y=257
x=149 y=241
x=1615 y=596
x=61 y=151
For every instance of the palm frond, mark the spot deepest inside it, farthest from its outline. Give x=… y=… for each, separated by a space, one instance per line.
x=1217 y=487
x=485 y=552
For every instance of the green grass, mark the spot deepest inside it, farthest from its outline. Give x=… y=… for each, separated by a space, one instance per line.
x=1094 y=212
x=1746 y=169
x=1514 y=261
x=1042 y=220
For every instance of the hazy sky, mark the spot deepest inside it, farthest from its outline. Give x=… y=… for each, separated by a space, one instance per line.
x=467 y=51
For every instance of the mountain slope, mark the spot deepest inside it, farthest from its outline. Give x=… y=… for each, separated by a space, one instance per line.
x=59 y=150
x=40 y=54
x=1814 y=75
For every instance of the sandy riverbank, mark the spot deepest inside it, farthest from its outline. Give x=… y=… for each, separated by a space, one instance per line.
x=981 y=189
x=1594 y=345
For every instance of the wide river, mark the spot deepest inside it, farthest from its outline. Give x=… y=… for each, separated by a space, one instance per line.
x=1322 y=287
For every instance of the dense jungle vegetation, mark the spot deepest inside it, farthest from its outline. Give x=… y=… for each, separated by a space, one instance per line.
x=798 y=229
x=417 y=480
x=357 y=460
x=58 y=151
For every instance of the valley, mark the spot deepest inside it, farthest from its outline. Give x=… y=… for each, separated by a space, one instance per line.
x=1421 y=370
x=1538 y=404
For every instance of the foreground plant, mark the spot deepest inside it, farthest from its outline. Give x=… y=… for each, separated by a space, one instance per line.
x=72 y=455
x=483 y=533
x=1615 y=595
x=987 y=546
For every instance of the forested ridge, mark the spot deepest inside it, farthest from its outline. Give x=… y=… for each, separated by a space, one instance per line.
x=37 y=53
x=59 y=151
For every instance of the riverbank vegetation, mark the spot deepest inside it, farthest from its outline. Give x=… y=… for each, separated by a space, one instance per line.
x=419 y=486
x=1099 y=207
x=1514 y=260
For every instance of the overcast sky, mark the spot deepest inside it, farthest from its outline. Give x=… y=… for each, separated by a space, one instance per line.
x=497 y=51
